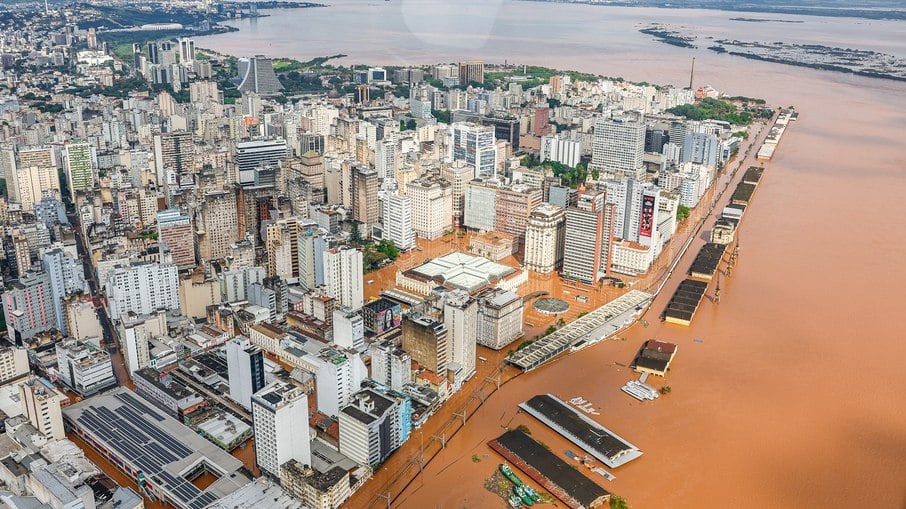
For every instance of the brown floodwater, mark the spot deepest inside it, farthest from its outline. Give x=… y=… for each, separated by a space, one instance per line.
x=795 y=396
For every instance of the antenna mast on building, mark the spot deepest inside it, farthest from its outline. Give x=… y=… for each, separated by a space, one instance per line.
x=692 y=73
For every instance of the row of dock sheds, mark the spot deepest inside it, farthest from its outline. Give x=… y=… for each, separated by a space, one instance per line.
x=689 y=294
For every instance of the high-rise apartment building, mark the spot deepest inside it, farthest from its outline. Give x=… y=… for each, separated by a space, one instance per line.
x=397 y=220
x=77 y=162
x=458 y=174
x=175 y=231
x=618 y=146
x=186 y=51
x=365 y=184
x=432 y=206
x=217 y=218
x=343 y=275
x=544 y=239
x=142 y=288
x=13 y=364
x=371 y=427
x=135 y=333
x=475 y=145
x=245 y=368
x=35 y=176
x=499 y=318
x=426 y=341
x=29 y=306
x=583 y=238
x=174 y=153
x=390 y=365
x=471 y=71
x=280 y=417
x=461 y=321
x=66 y=277
x=42 y=403
x=256 y=154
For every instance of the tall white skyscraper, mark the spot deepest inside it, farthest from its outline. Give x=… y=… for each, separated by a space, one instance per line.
x=398 y=220
x=280 y=417
x=618 y=146
x=66 y=277
x=142 y=288
x=343 y=275
x=475 y=145
x=461 y=320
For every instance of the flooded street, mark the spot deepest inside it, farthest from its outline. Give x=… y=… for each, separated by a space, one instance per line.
x=794 y=396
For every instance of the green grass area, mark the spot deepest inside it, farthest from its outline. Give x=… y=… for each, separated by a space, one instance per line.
x=538 y=76
x=123 y=51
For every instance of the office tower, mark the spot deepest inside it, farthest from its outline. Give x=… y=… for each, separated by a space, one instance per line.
x=397 y=220
x=458 y=175
x=41 y=403
x=218 y=219
x=560 y=148
x=152 y=53
x=541 y=122
x=365 y=184
x=280 y=416
x=461 y=321
x=245 y=369
x=432 y=206
x=377 y=74
x=35 y=177
x=444 y=71
x=258 y=153
x=544 y=239
x=427 y=342
x=343 y=275
x=84 y=368
x=514 y=205
x=66 y=275
x=370 y=428
x=174 y=229
x=186 y=51
x=583 y=238
x=471 y=72
x=701 y=148
x=29 y=306
x=390 y=365
x=13 y=364
x=142 y=288
x=174 y=153
x=618 y=146
x=505 y=128
x=655 y=139
x=92 y=38
x=348 y=329
x=474 y=145
x=135 y=332
x=79 y=168
x=499 y=318
x=256 y=74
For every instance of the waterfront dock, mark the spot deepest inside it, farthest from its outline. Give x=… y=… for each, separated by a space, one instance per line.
x=706 y=261
x=766 y=152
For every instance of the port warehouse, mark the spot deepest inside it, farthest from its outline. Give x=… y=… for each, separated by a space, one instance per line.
x=685 y=301
x=600 y=442
x=591 y=327
x=766 y=152
x=154 y=448
x=654 y=357
x=706 y=261
x=554 y=474
x=688 y=296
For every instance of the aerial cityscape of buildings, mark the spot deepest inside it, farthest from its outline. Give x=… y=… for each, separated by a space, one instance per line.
x=200 y=258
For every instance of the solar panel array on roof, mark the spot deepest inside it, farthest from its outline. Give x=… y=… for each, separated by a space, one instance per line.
x=128 y=434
